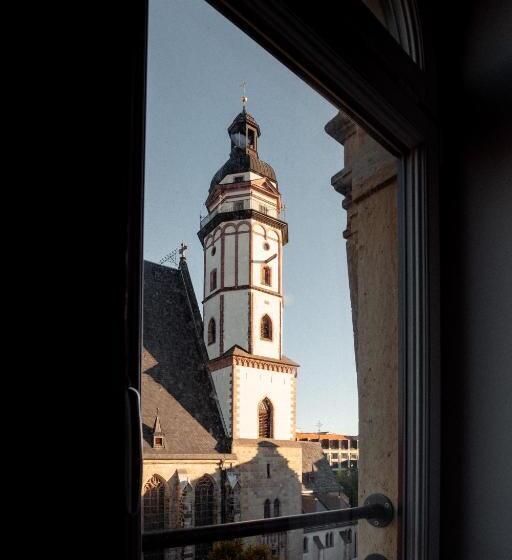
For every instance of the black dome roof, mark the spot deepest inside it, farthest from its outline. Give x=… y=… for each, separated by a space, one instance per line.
x=240 y=162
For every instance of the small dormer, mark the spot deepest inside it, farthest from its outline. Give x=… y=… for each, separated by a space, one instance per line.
x=158 y=435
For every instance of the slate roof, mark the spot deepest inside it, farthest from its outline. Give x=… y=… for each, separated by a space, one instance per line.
x=320 y=489
x=175 y=378
x=240 y=162
x=242 y=118
x=317 y=474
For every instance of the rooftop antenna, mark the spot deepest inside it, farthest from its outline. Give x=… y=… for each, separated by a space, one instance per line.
x=244 y=97
x=319 y=426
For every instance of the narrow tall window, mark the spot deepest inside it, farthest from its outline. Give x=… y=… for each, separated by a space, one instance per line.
x=204 y=511
x=233 y=503
x=250 y=138
x=213 y=280
x=154 y=504
x=266 y=328
x=277 y=508
x=212 y=331
x=265 y=428
x=204 y=507
x=266 y=509
x=305 y=545
x=266 y=275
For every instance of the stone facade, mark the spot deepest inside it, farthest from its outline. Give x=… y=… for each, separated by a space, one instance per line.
x=369 y=184
x=270 y=470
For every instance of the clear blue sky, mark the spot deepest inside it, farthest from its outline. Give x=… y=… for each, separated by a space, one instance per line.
x=196 y=62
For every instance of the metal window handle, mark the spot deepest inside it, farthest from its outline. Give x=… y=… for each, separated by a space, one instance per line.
x=133 y=457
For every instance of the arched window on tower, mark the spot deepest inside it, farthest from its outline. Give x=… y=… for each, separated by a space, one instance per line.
x=266 y=327
x=265 y=420
x=266 y=509
x=212 y=331
x=154 y=505
x=277 y=508
x=213 y=280
x=266 y=275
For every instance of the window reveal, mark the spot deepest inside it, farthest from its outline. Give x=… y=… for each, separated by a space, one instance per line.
x=266 y=275
x=212 y=331
x=266 y=509
x=266 y=328
x=213 y=280
x=155 y=509
x=265 y=421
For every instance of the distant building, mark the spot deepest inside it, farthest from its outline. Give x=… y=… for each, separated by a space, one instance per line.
x=341 y=451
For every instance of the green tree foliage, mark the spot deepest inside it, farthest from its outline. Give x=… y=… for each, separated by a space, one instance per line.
x=349 y=479
x=234 y=550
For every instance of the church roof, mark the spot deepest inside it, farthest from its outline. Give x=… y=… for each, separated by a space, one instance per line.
x=174 y=375
x=240 y=162
x=317 y=475
x=242 y=118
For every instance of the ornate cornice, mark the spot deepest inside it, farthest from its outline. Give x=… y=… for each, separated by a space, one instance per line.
x=253 y=362
x=243 y=215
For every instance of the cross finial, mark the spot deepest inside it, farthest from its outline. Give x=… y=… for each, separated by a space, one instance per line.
x=157 y=410
x=244 y=97
x=182 y=250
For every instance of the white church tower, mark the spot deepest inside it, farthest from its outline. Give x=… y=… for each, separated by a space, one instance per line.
x=243 y=236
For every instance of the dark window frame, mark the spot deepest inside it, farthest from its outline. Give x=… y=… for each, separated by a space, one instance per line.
x=266 y=328
x=401 y=115
x=266 y=275
x=213 y=280
x=212 y=331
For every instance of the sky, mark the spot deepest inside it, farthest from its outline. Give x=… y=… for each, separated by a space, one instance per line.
x=197 y=60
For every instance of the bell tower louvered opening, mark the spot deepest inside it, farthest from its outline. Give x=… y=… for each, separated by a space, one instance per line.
x=265 y=412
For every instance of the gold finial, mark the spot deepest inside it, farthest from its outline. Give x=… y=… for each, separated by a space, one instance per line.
x=244 y=97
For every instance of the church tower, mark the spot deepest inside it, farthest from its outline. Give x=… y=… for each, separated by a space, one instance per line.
x=243 y=236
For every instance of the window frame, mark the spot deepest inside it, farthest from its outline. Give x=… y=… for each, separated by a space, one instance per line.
x=211 y=335
x=398 y=113
x=266 y=325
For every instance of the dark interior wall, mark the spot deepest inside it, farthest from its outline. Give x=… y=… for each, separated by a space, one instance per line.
x=475 y=77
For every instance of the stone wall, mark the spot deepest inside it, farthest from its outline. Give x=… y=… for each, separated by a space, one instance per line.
x=369 y=184
x=284 y=459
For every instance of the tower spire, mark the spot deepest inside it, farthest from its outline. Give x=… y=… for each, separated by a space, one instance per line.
x=244 y=97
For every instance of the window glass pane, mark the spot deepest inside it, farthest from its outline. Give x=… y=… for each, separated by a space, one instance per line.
x=270 y=301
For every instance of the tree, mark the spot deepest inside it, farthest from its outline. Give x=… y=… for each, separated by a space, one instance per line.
x=349 y=479
x=234 y=550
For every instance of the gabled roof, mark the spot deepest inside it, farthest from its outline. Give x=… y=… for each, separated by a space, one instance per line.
x=317 y=475
x=175 y=378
